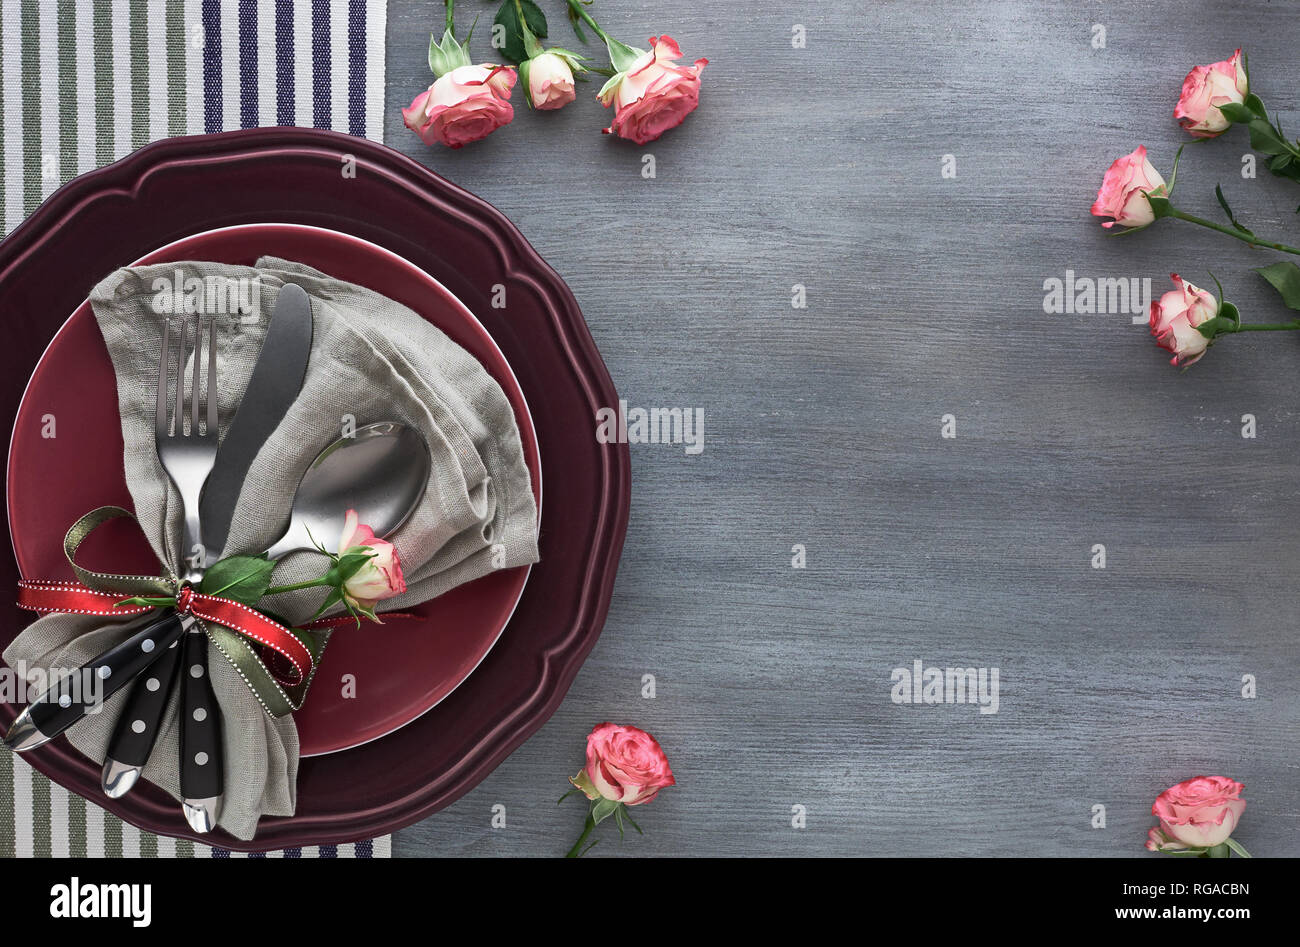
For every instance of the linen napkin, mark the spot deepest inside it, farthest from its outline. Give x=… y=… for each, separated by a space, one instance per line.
x=372 y=360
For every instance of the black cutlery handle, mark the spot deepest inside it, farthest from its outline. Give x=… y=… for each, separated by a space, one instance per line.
x=201 y=756
x=141 y=719
x=100 y=678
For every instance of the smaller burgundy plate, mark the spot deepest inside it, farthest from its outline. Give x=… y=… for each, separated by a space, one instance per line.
x=421 y=660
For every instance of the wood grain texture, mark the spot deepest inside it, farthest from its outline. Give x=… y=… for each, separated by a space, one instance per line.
x=821 y=166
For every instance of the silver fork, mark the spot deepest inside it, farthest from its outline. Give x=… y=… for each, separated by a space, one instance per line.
x=187 y=455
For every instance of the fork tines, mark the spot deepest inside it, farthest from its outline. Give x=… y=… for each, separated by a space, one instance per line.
x=176 y=334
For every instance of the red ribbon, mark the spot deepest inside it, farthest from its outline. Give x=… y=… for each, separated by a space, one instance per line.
x=75 y=598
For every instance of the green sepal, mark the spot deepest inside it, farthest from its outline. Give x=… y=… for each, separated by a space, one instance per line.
x=524 y=68
x=622 y=56
x=1239 y=113
x=1284 y=277
x=610 y=85
x=1237 y=847
x=1219 y=851
x=1160 y=206
x=243 y=579
x=602 y=809
x=447 y=55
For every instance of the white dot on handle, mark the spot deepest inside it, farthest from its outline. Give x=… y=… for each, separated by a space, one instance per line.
x=65 y=701
x=147 y=645
x=153 y=684
x=200 y=758
x=104 y=672
x=196 y=670
x=200 y=714
x=138 y=726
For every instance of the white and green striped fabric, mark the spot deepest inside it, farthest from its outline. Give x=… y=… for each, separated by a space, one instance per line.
x=84 y=82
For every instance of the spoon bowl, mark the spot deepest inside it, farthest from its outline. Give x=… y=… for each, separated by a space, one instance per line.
x=381 y=471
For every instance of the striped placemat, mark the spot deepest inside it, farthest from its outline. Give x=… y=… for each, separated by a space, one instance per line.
x=84 y=82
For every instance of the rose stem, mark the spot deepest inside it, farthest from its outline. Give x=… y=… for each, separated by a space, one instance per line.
x=1243 y=237
x=586 y=830
x=586 y=17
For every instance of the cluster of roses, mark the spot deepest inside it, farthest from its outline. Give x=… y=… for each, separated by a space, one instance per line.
x=1187 y=320
x=650 y=92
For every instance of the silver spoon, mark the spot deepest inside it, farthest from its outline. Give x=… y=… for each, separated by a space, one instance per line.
x=381 y=471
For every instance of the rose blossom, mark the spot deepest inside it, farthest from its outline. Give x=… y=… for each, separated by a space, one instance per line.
x=654 y=94
x=1175 y=316
x=462 y=106
x=1200 y=812
x=624 y=764
x=381 y=576
x=550 y=81
x=1204 y=90
x=1121 y=194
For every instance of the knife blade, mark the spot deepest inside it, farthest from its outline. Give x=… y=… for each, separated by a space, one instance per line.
x=273 y=386
x=276 y=380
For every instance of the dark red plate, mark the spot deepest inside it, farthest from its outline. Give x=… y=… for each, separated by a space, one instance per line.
x=182 y=186
x=401 y=670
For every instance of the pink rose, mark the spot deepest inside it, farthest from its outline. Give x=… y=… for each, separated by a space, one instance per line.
x=1204 y=90
x=1175 y=316
x=624 y=764
x=464 y=105
x=654 y=94
x=1122 y=191
x=381 y=576
x=550 y=81
x=1200 y=812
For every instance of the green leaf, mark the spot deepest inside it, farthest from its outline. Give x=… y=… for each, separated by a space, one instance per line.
x=517 y=32
x=1223 y=202
x=1264 y=137
x=242 y=578
x=1285 y=278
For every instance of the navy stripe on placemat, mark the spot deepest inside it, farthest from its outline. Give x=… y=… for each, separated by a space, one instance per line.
x=357 y=67
x=320 y=63
x=220 y=853
x=284 y=106
x=248 y=64
x=366 y=849
x=212 y=114
x=329 y=851
x=293 y=853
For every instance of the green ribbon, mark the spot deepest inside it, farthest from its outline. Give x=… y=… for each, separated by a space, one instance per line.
x=276 y=700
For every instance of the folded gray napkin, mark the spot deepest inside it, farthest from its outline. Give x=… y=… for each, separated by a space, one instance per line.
x=372 y=360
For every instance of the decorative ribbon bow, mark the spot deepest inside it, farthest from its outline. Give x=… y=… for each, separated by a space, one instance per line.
x=275 y=661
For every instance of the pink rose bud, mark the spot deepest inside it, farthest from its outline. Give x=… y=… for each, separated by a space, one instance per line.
x=624 y=764
x=1204 y=90
x=550 y=81
x=654 y=94
x=1200 y=812
x=1123 y=189
x=381 y=576
x=462 y=106
x=1175 y=316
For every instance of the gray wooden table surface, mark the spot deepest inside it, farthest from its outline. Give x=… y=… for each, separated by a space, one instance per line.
x=822 y=166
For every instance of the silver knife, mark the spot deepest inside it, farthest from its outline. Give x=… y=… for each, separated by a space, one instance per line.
x=274 y=385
